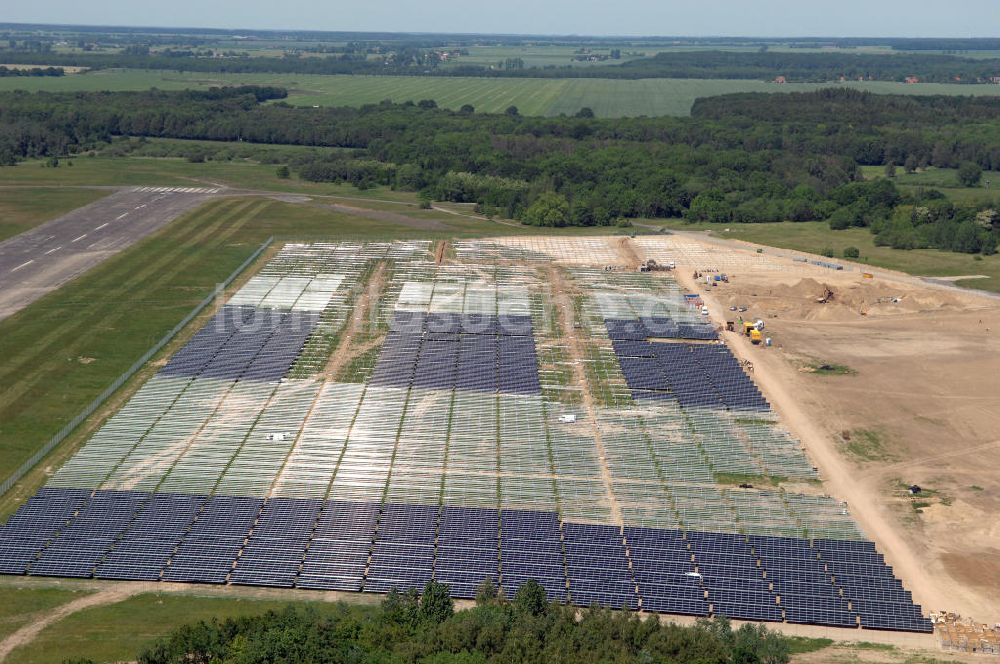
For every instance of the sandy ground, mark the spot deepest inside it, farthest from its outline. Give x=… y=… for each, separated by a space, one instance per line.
x=924 y=362
x=564 y=306
x=363 y=311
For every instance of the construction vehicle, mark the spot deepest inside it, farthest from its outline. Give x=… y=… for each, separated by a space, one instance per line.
x=730 y=326
x=753 y=330
x=652 y=266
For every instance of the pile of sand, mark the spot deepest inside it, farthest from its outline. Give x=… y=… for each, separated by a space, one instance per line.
x=850 y=299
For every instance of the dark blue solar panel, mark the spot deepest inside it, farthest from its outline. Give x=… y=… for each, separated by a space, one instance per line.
x=34 y=524
x=657 y=327
x=365 y=546
x=144 y=548
x=452 y=351
x=276 y=549
x=78 y=548
x=244 y=342
x=208 y=550
x=597 y=566
x=696 y=375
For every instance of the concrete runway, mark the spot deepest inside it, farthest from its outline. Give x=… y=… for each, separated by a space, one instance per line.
x=42 y=259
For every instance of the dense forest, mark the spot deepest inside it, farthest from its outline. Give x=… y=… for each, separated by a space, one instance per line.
x=739 y=159
x=418 y=60
x=425 y=628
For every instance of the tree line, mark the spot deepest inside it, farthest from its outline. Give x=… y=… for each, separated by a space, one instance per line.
x=418 y=60
x=739 y=159
x=30 y=71
x=424 y=627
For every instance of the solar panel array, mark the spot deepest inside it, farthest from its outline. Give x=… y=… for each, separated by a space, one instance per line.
x=452 y=458
x=695 y=375
x=658 y=326
x=456 y=351
x=246 y=343
x=339 y=545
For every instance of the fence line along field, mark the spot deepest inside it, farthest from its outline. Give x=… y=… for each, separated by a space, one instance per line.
x=532 y=96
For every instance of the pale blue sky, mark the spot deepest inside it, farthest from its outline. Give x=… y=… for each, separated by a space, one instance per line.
x=862 y=18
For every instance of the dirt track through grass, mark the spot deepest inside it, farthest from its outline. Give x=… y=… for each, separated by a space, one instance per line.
x=27 y=634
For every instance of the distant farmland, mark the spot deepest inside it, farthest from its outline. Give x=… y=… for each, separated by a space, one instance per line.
x=608 y=98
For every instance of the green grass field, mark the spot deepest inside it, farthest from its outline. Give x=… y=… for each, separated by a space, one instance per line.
x=118 y=632
x=23 y=209
x=607 y=97
x=134 y=171
x=18 y=605
x=945 y=180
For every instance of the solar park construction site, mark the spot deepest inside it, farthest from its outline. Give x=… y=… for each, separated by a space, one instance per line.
x=363 y=417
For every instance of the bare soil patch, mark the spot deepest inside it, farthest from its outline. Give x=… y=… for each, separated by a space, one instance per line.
x=565 y=311
x=923 y=362
x=346 y=349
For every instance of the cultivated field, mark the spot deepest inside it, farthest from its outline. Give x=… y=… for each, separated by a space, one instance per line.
x=607 y=97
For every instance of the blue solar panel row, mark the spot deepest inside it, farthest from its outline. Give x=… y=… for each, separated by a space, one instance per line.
x=144 y=547
x=875 y=594
x=211 y=545
x=658 y=327
x=273 y=556
x=467 y=549
x=694 y=375
x=664 y=572
x=338 y=553
x=798 y=576
x=597 y=567
x=35 y=524
x=403 y=552
x=244 y=342
x=489 y=359
x=87 y=537
x=419 y=322
x=365 y=546
x=531 y=548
